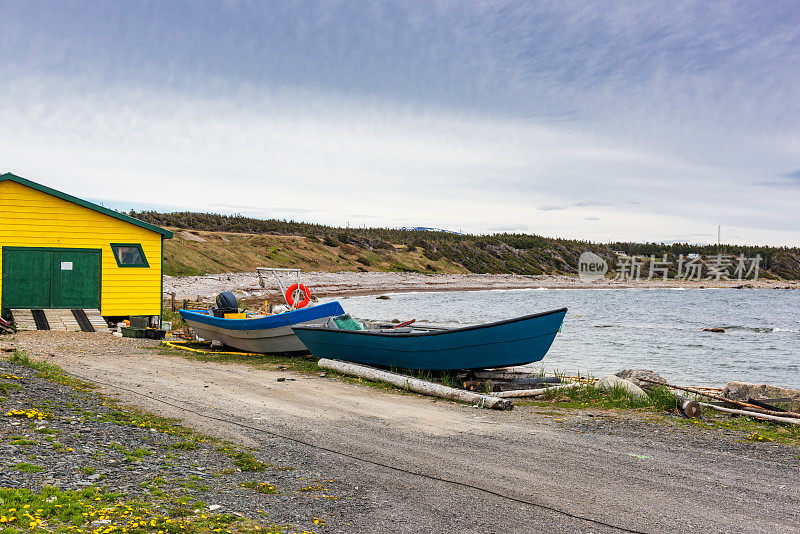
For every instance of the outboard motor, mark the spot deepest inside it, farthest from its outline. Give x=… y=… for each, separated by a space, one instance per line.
x=226 y=303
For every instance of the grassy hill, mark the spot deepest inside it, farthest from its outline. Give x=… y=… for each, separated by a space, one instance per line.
x=211 y=243
x=201 y=252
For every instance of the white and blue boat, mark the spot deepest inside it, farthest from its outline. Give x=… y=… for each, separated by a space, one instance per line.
x=500 y=344
x=266 y=334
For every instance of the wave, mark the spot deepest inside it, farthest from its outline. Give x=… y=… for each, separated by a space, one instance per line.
x=759 y=329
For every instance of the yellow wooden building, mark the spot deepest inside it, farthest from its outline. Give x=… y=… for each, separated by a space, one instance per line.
x=59 y=251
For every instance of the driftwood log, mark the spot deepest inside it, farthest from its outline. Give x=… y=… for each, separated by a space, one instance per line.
x=416 y=385
x=689 y=407
x=531 y=392
x=504 y=374
x=755 y=415
x=749 y=407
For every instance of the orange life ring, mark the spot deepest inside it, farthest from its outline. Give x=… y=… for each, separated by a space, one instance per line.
x=290 y=295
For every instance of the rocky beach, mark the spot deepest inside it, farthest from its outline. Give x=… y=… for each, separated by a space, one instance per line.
x=349 y=283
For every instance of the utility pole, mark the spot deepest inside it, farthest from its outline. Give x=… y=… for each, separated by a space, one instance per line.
x=719 y=236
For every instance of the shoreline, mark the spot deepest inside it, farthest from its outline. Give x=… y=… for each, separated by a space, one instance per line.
x=350 y=283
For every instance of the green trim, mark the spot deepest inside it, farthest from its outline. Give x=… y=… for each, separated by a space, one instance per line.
x=55 y=249
x=145 y=265
x=161 y=296
x=100 y=296
x=75 y=200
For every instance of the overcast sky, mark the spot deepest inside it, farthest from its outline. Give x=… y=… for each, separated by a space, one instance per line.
x=646 y=121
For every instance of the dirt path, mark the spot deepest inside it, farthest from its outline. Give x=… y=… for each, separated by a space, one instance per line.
x=396 y=449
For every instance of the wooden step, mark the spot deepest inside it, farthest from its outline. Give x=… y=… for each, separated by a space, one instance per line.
x=59 y=320
x=62 y=320
x=23 y=319
x=97 y=320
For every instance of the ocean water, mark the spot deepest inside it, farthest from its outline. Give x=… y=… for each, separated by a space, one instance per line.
x=606 y=331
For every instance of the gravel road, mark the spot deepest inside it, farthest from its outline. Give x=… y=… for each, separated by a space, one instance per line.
x=414 y=464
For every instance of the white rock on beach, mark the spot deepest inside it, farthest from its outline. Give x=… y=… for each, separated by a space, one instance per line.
x=634 y=375
x=612 y=381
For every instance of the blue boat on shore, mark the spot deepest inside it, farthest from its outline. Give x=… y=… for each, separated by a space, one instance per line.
x=500 y=344
x=265 y=334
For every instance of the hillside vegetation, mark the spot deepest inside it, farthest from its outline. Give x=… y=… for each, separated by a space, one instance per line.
x=212 y=243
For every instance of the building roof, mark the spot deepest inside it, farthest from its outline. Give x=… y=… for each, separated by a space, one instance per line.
x=90 y=205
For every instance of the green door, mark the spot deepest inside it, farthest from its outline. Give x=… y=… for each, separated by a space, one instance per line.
x=26 y=278
x=50 y=278
x=75 y=279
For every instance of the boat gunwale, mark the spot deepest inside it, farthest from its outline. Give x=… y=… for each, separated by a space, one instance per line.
x=438 y=333
x=266 y=322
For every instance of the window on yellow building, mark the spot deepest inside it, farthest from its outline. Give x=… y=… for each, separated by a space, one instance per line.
x=129 y=255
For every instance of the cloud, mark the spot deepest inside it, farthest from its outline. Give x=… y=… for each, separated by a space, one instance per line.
x=655 y=119
x=788 y=180
x=327 y=159
x=264 y=210
x=552 y=208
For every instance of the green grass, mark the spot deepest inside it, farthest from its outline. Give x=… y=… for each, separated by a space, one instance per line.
x=746 y=428
x=184 y=446
x=134 y=417
x=174 y=317
x=245 y=461
x=312 y=488
x=53 y=510
x=23 y=442
x=25 y=467
x=5 y=387
x=260 y=487
x=49 y=371
x=617 y=397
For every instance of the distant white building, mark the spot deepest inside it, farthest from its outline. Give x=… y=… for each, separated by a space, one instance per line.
x=427 y=229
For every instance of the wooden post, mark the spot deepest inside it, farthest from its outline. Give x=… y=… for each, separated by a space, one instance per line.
x=416 y=385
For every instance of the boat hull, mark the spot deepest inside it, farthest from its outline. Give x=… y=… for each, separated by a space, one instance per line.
x=264 y=335
x=511 y=342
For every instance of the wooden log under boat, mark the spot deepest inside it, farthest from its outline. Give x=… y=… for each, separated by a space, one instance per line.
x=416 y=385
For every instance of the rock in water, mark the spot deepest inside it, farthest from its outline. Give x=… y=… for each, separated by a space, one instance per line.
x=612 y=381
x=633 y=375
x=782 y=397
